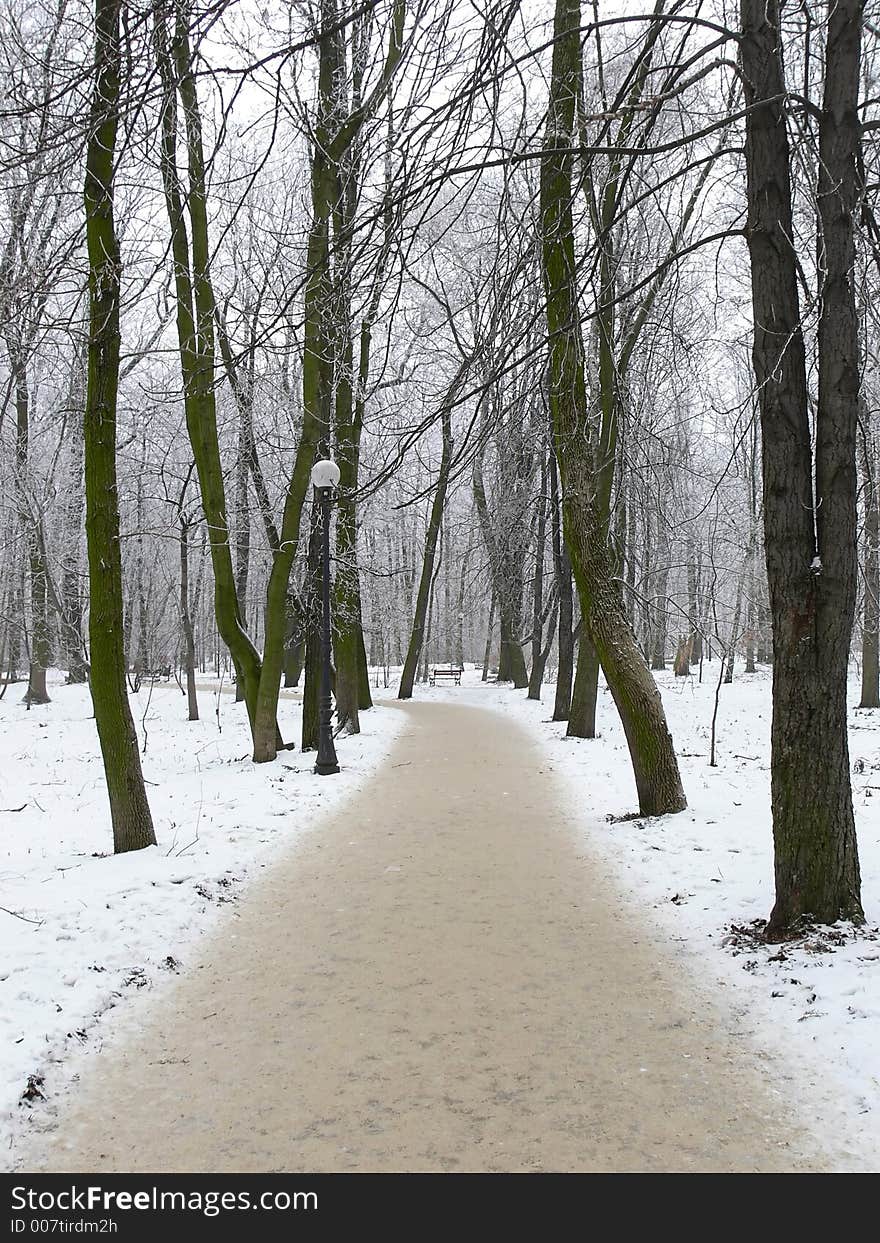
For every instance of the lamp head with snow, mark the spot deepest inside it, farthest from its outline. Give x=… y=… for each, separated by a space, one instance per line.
x=325 y=474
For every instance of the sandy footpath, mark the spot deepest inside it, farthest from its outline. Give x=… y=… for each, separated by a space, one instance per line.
x=438 y=978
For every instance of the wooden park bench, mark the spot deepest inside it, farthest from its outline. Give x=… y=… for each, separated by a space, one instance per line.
x=452 y=674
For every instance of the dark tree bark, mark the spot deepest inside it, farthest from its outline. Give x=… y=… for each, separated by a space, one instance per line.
x=196 y=312
x=459 y=629
x=810 y=542
x=352 y=674
x=420 y=619
x=311 y=716
x=585 y=692
x=506 y=570
x=693 y=580
x=294 y=643
x=334 y=136
x=562 y=568
x=536 y=675
x=661 y=580
x=733 y=641
x=871 y=609
x=189 y=642
x=682 y=664
x=32 y=525
x=348 y=636
x=129 y=809
x=636 y=696
x=71 y=563
x=490 y=626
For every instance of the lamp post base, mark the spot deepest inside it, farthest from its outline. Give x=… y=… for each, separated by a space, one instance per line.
x=324 y=768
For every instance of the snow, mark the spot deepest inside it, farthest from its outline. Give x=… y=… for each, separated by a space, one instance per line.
x=108 y=930
x=700 y=874
x=83 y=930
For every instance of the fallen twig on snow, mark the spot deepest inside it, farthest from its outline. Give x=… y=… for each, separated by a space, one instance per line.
x=17 y=915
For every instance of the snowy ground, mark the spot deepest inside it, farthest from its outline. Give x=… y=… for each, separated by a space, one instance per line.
x=108 y=929
x=706 y=874
x=83 y=931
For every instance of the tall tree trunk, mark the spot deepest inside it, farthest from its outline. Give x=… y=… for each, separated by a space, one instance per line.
x=562 y=567
x=637 y=699
x=129 y=809
x=196 y=311
x=420 y=619
x=32 y=527
x=751 y=595
x=661 y=579
x=365 y=696
x=294 y=643
x=730 y=652
x=349 y=625
x=490 y=626
x=71 y=564
x=536 y=676
x=810 y=541
x=585 y=693
x=334 y=137
x=352 y=673
x=693 y=574
x=508 y=592
x=317 y=392
x=311 y=717
x=871 y=614
x=242 y=535
x=189 y=643
x=459 y=627
x=294 y=658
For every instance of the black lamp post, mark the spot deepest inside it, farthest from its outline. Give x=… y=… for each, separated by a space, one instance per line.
x=325 y=477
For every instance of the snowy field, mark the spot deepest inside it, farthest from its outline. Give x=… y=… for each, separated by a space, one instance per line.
x=82 y=930
x=705 y=875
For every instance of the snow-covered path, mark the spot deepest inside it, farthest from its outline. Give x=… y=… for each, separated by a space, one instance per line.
x=436 y=979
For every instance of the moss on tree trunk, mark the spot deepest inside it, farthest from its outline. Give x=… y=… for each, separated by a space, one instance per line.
x=637 y=699
x=129 y=809
x=810 y=553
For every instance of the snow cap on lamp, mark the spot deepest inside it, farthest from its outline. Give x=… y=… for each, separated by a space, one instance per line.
x=325 y=474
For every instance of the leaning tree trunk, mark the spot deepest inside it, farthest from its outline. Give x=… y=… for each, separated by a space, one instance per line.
x=810 y=548
x=195 y=311
x=317 y=381
x=636 y=696
x=129 y=809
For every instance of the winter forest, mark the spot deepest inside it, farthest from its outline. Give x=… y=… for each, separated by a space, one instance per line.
x=581 y=298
